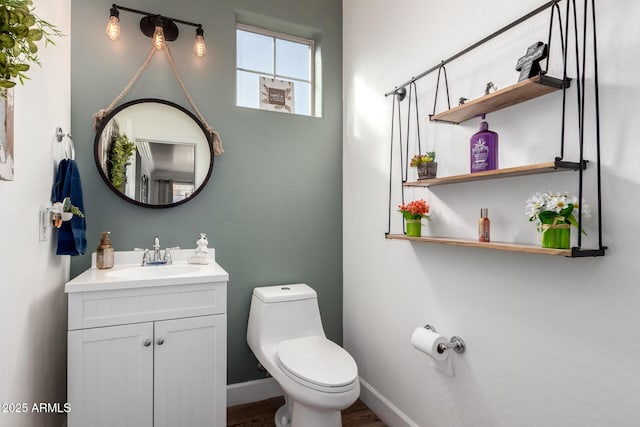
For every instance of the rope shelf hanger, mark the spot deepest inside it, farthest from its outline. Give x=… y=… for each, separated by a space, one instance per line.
x=101 y=114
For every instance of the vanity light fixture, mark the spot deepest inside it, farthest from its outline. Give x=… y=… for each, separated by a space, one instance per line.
x=160 y=28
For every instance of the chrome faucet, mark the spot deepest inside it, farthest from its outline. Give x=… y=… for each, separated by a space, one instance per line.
x=156 y=248
x=158 y=257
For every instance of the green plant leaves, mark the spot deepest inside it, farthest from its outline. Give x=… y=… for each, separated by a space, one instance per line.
x=35 y=35
x=6 y=41
x=20 y=29
x=119 y=153
x=68 y=207
x=547 y=217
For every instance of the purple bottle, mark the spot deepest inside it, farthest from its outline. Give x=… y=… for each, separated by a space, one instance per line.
x=484 y=149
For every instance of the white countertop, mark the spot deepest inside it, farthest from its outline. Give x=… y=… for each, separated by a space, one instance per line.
x=129 y=273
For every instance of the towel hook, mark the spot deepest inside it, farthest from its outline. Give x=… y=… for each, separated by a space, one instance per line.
x=69 y=149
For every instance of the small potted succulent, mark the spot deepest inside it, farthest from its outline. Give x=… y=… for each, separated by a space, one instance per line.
x=64 y=211
x=426 y=165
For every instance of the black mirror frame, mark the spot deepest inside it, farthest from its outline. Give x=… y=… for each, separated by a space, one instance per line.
x=105 y=178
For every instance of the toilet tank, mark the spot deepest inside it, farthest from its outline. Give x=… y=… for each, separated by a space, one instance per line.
x=283 y=312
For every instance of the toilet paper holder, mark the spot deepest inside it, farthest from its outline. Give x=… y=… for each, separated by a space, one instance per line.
x=455 y=343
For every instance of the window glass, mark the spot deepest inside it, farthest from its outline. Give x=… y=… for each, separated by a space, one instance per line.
x=293 y=59
x=248 y=89
x=262 y=53
x=302 y=93
x=182 y=191
x=255 y=52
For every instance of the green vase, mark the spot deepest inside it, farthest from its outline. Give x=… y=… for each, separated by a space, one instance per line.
x=414 y=227
x=556 y=236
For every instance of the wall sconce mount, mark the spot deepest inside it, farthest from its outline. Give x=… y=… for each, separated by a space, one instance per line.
x=157 y=27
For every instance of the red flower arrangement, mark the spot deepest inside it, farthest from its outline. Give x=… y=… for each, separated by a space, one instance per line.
x=415 y=210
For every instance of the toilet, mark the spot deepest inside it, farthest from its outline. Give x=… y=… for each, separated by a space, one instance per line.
x=318 y=377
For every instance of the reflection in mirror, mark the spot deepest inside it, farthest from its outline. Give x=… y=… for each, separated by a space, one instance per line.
x=153 y=153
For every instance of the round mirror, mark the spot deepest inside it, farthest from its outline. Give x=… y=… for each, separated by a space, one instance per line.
x=153 y=153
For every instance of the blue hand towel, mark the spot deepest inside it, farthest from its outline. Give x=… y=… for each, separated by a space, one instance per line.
x=72 y=238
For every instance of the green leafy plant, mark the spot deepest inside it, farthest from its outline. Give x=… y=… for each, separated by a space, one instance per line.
x=119 y=153
x=68 y=207
x=430 y=156
x=20 y=29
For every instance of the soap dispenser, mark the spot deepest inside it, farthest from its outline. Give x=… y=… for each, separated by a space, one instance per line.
x=484 y=148
x=104 y=252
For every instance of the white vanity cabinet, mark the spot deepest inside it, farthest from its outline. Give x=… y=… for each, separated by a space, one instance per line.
x=147 y=354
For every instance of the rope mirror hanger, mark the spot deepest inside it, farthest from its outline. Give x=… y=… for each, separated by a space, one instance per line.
x=101 y=114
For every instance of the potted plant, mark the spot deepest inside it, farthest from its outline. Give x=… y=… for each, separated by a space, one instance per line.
x=554 y=214
x=20 y=29
x=64 y=211
x=413 y=213
x=120 y=151
x=426 y=165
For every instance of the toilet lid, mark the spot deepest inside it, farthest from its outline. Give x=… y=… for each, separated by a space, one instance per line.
x=317 y=360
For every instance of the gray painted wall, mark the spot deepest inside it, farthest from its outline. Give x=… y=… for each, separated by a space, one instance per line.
x=273 y=208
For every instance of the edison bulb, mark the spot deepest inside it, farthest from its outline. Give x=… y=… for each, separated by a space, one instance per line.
x=199 y=47
x=158 y=38
x=113 y=28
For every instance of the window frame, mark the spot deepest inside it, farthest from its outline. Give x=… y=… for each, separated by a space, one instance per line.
x=286 y=37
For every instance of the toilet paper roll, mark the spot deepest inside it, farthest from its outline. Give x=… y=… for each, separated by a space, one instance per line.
x=427 y=341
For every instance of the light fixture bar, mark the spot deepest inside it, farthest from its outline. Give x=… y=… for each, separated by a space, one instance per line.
x=142 y=12
x=159 y=28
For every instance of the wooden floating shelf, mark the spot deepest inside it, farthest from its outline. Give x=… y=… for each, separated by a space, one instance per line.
x=501 y=246
x=505 y=97
x=538 y=168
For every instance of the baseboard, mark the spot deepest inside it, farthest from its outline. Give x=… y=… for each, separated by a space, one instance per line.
x=384 y=409
x=252 y=391
x=257 y=390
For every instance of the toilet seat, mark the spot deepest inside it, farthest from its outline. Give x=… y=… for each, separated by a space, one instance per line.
x=318 y=363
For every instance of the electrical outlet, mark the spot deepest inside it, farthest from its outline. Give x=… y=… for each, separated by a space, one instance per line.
x=43 y=225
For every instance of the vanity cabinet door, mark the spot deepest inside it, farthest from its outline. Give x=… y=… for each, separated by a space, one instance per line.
x=110 y=376
x=190 y=372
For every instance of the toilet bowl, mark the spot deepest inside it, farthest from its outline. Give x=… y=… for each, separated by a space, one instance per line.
x=318 y=377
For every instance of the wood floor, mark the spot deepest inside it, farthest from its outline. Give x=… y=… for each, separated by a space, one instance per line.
x=261 y=414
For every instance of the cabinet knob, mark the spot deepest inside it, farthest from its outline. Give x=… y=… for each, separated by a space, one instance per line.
x=147 y=342
x=160 y=341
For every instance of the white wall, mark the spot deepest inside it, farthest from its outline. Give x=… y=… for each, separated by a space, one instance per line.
x=551 y=341
x=32 y=300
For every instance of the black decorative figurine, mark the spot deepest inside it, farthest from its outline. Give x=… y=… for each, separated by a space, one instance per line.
x=529 y=64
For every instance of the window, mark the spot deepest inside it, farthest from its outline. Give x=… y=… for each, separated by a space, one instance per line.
x=286 y=61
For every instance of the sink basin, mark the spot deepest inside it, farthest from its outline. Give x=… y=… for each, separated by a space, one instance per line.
x=154 y=272
x=128 y=273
